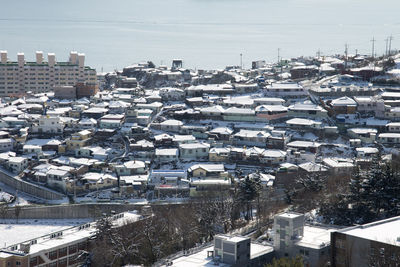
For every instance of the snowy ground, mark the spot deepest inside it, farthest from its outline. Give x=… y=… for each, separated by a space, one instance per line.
x=5 y=197
x=26 y=229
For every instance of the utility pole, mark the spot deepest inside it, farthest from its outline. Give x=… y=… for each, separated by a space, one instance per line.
x=386 y=50
x=279 y=50
x=373 y=46
x=318 y=54
x=390 y=44
x=346 y=51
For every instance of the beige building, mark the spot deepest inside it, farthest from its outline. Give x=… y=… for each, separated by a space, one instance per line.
x=21 y=76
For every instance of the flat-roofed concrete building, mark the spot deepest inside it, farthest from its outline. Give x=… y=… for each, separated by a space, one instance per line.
x=21 y=76
x=373 y=244
x=28 y=246
x=293 y=237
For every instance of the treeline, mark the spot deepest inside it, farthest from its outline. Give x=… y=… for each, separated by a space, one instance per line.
x=370 y=195
x=173 y=228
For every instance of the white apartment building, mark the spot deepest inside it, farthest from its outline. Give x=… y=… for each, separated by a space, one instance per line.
x=48 y=124
x=21 y=76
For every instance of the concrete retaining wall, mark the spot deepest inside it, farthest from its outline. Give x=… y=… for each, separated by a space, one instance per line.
x=29 y=188
x=68 y=211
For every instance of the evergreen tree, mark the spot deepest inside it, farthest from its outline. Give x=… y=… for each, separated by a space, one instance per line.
x=249 y=190
x=373 y=194
x=286 y=262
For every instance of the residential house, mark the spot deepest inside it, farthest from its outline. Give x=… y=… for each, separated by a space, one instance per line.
x=343 y=105
x=389 y=138
x=273 y=157
x=239 y=114
x=56 y=178
x=366 y=135
x=251 y=138
x=285 y=90
x=6 y=144
x=304 y=124
x=17 y=164
x=221 y=133
x=194 y=151
x=171 y=126
x=270 y=112
x=130 y=168
x=50 y=125
x=307 y=109
x=166 y=154
x=207 y=170
x=339 y=165
x=219 y=154
x=79 y=139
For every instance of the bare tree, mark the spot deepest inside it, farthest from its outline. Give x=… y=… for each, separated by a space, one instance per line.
x=3 y=211
x=17 y=211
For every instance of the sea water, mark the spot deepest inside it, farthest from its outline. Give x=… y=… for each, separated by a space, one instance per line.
x=206 y=34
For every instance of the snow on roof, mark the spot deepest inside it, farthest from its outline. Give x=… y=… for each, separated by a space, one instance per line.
x=269 y=99
x=240 y=100
x=16 y=159
x=134 y=164
x=220 y=150
x=172 y=122
x=304 y=122
x=166 y=151
x=343 y=101
x=316 y=237
x=188 y=137
x=273 y=153
x=338 y=162
x=305 y=106
x=42 y=142
x=250 y=133
x=271 y=108
x=90 y=121
x=362 y=130
x=393 y=124
x=194 y=145
x=208 y=167
x=57 y=172
x=389 y=135
x=367 y=150
x=222 y=130
x=277 y=86
x=235 y=110
x=145 y=143
x=385 y=231
x=303 y=144
x=289 y=215
x=312 y=167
